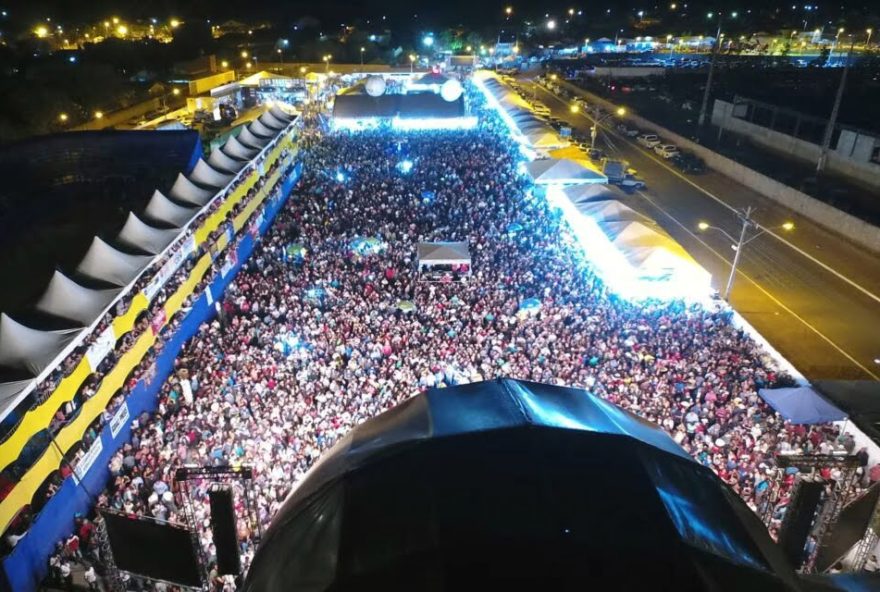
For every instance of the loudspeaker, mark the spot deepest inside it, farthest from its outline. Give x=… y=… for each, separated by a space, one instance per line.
x=799 y=521
x=224 y=531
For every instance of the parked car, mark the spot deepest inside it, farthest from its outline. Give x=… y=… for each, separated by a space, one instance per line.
x=689 y=163
x=667 y=151
x=627 y=131
x=648 y=140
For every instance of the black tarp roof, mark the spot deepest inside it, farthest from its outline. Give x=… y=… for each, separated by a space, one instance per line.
x=513 y=482
x=860 y=399
x=426 y=104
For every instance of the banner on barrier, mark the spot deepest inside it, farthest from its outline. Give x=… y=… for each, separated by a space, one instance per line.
x=102 y=346
x=187 y=248
x=230 y=263
x=119 y=419
x=158 y=321
x=86 y=462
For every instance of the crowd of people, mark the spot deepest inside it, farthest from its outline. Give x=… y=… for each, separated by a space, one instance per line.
x=328 y=324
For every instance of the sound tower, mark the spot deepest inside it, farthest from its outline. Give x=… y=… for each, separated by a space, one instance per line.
x=799 y=521
x=224 y=531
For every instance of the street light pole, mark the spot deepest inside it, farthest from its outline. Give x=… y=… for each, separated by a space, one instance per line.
x=832 y=121
x=746 y=222
x=701 y=120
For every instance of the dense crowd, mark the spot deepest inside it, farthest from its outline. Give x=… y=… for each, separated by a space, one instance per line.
x=328 y=324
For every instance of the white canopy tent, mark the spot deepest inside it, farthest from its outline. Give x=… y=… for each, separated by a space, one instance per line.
x=203 y=174
x=141 y=235
x=280 y=114
x=111 y=265
x=187 y=191
x=562 y=171
x=9 y=391
x=30 y=349
x=236 y=149
x=248 y=138
x=587 y=192
x=223 y=162
x=164 y=210
x=544 y=139
x=609 y=211
x=443 y=253
x=261 y=129
x=67 y=299
x=272 y=122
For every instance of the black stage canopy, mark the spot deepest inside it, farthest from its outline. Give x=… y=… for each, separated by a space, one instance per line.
x=512 y=482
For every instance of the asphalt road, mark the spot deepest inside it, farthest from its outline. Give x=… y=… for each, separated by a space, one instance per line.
x=812 y=294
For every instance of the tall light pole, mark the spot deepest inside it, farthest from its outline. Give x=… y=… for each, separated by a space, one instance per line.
x=412 y=61
x=363 y=49
x=868 y=40
x=745 y=217
x=701 y=120
x=832 y=121
x=327 y=59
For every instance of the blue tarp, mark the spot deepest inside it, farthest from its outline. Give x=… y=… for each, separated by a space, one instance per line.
x=27 y=565
x=801 y=405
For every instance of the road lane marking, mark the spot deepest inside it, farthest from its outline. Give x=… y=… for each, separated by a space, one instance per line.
x=760 y=288
x=767 y=230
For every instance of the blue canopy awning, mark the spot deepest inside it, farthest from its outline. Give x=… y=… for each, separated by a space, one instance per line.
x=801 y=405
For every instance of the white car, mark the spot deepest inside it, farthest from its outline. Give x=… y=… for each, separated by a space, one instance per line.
x=542 y=110
x=666 y=150
x=648 y=140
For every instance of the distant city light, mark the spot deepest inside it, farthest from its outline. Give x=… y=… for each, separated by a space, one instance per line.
x=428 y=41
x=405 y=166
x=62 y=116
x=72 y=59
x=175 y=23
x=551 y=24
x=122 y=30
x=99 y=115
x=41 y=31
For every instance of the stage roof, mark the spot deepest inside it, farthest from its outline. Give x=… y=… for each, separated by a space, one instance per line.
x=426 y=104
x=509 y=481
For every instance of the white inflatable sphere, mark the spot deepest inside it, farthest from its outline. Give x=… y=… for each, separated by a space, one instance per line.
x=451 y=90
x=375 y=86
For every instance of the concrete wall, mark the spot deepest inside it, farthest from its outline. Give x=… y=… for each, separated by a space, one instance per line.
x=821 y=213
x=850 y=158
x=626 y=72
x=120 y=117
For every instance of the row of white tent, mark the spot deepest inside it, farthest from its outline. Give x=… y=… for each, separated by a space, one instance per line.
x=32 y=350
x=535 y=131
x=655 y=258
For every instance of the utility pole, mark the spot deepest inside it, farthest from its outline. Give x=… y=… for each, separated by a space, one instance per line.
x=746 y=217
x=829 y=127
x=705 y=105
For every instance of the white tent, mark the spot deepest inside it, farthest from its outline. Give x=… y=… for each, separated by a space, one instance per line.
x=67 y=299
x=9 y=392
x=608 y=211
x=590 y=192
x=223 y=162
x=630 y=234
x=203 y=174
x=280 y=114
x=141 y=235
x=30 y=349
x=544 y=139
x=105 y=263
x=187 y=191
x=164 y=210
x=261 y=129
x=562 y=171
x=443 y=253
x=248 y=138
x=236 y=149
x=272 y=122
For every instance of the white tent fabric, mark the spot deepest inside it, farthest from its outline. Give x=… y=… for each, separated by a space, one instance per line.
x=553 y=171
x=631 y=234
x=223 y=162
x=590 y=192
x=9 y=391
x=187 y=191
x=272 y=122
x=141 y=235
x=609 y=211
x=203 y=174
x=105 y=263
x=280 y=114
x=236 y=149
x=544 y=139
x=248 y=138
x=261 y=129
x=67 y=299
x=30 y=349
x=164 y=210
x=443 y=253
